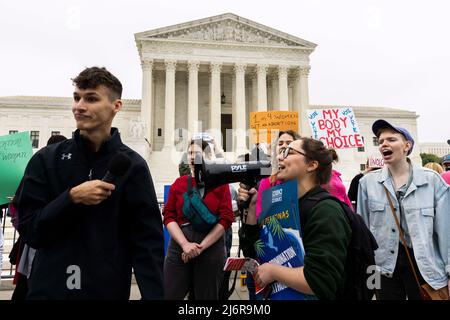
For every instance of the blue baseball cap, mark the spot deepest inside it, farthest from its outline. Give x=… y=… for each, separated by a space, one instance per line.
x=380 y=124
x=446 y=159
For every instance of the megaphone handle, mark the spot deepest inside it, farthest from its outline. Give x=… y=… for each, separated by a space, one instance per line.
x=244 y=204
x=243 y=214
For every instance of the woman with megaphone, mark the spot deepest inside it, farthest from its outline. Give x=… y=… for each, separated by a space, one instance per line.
x=326 y=233
x=284 y=139
x=196 y=252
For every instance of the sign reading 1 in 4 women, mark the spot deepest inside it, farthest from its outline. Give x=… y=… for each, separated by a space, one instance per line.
x=266 y=125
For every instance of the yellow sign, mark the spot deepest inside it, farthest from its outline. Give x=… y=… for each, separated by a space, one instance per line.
x=263 y=123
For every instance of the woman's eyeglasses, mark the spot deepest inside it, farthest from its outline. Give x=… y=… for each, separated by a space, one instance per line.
x=286 y=151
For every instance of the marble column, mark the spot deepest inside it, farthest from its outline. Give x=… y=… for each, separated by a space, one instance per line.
x=169 y=114
x=275 y=103
x=147 y=99
x=261 y=70
x=239 y=113
x=193 y=67
x=283 y=95
x=301 y=100
x=215 y=101
x=253 y=93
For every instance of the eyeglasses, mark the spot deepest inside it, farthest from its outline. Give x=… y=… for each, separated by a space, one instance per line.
x=285 y=152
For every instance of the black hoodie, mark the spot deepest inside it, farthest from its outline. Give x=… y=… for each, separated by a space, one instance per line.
x=100 y=243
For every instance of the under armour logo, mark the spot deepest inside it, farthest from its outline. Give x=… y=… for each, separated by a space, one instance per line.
x=66 y=156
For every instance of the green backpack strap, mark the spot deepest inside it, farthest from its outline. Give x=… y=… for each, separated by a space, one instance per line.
x=190 y=189
x=189 y=185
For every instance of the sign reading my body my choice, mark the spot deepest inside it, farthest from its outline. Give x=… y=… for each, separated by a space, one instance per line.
x=336 y=128
x=15 y=152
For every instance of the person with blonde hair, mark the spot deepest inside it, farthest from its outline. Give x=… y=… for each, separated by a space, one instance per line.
x=434 y=166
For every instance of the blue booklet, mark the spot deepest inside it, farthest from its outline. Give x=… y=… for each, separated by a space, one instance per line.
x=280 y=241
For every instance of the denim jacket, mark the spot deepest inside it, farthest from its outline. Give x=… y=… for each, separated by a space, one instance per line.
x=427 y=212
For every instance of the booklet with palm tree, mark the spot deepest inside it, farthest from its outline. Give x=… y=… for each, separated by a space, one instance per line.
x=280 y=240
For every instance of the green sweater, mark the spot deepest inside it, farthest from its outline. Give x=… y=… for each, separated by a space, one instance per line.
x=326 y=236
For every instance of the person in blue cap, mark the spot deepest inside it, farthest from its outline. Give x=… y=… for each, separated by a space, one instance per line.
x=446 y=162
x=446 y=165
x=421 y=201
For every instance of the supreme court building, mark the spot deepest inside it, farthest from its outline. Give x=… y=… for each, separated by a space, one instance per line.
x=210 y=74
x=206 y=76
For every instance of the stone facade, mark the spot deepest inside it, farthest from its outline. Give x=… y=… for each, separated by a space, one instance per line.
x=438 y=149
x=205 y=75
x=47 y=114
x=195 y=72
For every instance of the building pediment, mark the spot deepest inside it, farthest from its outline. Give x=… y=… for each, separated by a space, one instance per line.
x=226 y=28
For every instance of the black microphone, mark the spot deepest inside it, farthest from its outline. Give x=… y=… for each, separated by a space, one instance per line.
x=117 y=166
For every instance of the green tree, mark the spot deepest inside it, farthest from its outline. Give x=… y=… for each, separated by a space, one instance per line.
x=428 y=157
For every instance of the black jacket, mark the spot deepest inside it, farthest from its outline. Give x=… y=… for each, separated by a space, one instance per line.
x=104 y=241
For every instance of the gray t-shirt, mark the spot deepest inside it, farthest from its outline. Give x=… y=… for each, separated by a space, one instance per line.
x=400 y=194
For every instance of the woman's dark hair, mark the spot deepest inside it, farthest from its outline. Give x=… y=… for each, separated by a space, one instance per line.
x=315 y=150
x=206 y=148
x=292 y=133
x=334 y=155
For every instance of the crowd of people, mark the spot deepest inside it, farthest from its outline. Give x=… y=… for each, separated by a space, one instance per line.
x=82 y=235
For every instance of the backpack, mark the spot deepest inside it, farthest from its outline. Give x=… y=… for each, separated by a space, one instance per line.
x=196 y=211
x=360 y=251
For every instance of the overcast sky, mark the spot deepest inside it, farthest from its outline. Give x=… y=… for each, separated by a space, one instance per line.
x=370 y=52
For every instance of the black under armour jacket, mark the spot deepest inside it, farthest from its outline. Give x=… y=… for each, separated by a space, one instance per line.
x=88 y=252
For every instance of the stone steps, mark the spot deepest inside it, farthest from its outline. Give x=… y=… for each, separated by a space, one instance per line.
x=160 y=159
x=10 y=236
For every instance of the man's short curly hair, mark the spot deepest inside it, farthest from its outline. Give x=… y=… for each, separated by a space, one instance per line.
x=92 y=78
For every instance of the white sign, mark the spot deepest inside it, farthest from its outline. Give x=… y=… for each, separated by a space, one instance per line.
x=376 y=161
x=336 y=128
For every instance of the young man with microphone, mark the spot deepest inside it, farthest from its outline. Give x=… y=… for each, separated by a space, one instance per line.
x=90 y=233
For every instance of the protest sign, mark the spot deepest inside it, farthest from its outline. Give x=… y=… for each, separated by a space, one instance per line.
x=336 y=128
x=245 y=265
x=15 y=152
x=376 y=161
x=280 y=241
x=241 y=264
x=262 y=123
